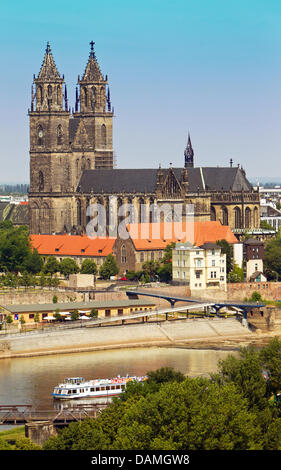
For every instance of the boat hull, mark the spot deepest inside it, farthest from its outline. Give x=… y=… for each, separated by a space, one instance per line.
x=77 y=397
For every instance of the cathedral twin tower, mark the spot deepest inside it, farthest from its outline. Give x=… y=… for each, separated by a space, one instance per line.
x=63 y=143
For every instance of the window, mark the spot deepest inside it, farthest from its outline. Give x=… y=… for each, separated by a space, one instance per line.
x=123 y=254
x=238 y=218
x=197 y=274
x=107 y=312
x=224 y=216
x=120 y=311
x=103 y=136
x=59 y=134
x=213 y=262
x=198 y=263
x=40 y=181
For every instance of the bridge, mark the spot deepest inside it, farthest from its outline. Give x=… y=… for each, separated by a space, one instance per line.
x=243 y=307
x=26 y=414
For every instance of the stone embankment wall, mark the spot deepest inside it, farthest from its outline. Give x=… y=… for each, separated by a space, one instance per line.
x=40 y=296
x=268 y=290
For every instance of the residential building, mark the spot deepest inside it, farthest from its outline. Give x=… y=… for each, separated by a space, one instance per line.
x=201 y=267
x=253 y=259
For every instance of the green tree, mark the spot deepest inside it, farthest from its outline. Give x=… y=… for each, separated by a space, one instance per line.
x=51 y=266
x=33 y=263
x=195 y=414
x=272 y=258
x=151 y=268
x=245 y=371
x=85 y=435
x=236 y=275
x=94 y=313
x=57 y=315
x=74 y=315
x=24 y=443
x=4 y=445
x=68 y=266
x=9 y=319
x=15 y=248
x=109 y=267
x=227 y=249
x=88 y=267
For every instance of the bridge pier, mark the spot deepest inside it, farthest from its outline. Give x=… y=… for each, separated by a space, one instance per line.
x=39 y=431
x=245 y=318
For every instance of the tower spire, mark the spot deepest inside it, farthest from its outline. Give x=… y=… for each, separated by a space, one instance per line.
x=48 y=84
x=188 y=154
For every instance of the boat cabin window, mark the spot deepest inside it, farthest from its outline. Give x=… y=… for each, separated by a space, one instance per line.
x=74 y=380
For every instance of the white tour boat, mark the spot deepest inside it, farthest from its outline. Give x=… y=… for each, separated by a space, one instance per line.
x=77 y=387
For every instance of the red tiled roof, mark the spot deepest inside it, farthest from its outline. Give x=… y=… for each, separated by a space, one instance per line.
x=71 y=245
x=149 y=236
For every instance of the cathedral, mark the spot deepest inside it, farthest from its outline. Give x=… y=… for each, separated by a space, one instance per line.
x=72 y=164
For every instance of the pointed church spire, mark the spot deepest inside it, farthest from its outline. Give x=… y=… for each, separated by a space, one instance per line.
x=92 y=71
x=48 y=69
x=49 y=85
x=188 y=154
x=92 y=95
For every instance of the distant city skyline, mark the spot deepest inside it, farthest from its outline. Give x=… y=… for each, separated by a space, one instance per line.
x=209 y=68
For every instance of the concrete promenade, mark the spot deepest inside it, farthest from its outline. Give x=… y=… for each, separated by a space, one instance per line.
x=218 y=333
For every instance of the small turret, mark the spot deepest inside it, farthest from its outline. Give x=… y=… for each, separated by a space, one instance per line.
x=188 y=154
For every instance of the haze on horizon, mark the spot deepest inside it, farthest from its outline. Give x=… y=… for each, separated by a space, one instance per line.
x=209 y=68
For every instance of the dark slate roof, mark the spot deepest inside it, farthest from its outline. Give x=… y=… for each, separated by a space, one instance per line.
x=253 y=241
x=143 y=180
x=210 y=246
x=17 y=213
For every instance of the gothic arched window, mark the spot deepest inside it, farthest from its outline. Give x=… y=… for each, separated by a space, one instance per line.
x=256 y=218
x=123 y=254
x=248 y=217
x=40 y=95
x=40 y=181
x=238 y=218
x=213 y=213
x=59 y=134
x=224 y=216
x=58 y=95
x=103 y=136
x=79 y=212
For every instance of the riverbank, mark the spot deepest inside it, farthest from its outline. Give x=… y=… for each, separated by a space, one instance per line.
x=215 y=333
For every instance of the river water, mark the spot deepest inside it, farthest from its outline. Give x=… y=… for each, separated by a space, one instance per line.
x=31 y=380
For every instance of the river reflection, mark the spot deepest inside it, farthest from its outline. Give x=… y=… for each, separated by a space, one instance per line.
x=31 y=380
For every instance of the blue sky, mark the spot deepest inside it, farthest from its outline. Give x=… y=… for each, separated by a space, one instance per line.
x=211 y=67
